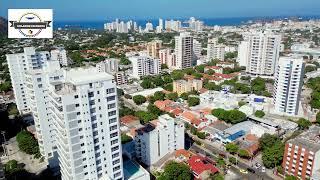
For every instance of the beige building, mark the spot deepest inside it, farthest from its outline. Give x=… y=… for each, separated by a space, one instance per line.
x=153 y=48
x=182 y=86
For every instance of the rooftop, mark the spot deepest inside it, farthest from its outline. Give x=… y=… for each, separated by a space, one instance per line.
x=79 y=76
x=309 y=139
x=199 y=164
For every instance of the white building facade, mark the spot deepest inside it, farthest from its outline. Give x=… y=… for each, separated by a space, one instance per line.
x=261 y=53
x=215 y=50
x=184 y=50
x=153 y=142
x=60 y=55
x=288 y=83
x=18 y=65
x=84 y=109
x=144 y=66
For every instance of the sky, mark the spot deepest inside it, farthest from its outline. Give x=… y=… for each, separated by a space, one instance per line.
x=96 y=10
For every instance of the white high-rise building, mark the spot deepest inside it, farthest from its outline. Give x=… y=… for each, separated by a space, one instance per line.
x=36 y=81
x=84 y=111
x=161 y=24
x=264 y=48
x=108 y=65
x=153 y=142
x=288 y=83
x=243 y=53
x=195 y=25
x=149 y=27
x=183 y=50
x=144 y=66
x=18 y=65
x=172 y=25
x=60 y=55
x=197 y=48
x=215 y=50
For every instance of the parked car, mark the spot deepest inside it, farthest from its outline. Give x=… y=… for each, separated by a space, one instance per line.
x=251 y=170
x=243 y=171
x=263 y=169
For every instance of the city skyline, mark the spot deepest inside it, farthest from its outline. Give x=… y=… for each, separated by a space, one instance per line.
x=143 y=9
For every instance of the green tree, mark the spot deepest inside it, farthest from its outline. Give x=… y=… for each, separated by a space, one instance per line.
x=125 y=138
x=219 y=113
x=241 y=103
x=267 y=140
x=178 y=171
x=243 y=153
x=164 y=66
x=172 y=96
x=216 y=176
x=310 y=68
x=177 y=74
x=235 y=116
x=158 y=81
x=201 y=135
x=200 y=68
x=159 y=95
x=145 y=117
x=232 y=160
x=147 y=84
x=124 y=111
x=154 y=110
x=193 y=101
x=291 y=177
x=139 y=99
x=272 y=156
x=27 y=143
x=212 y=86
x=125 y=61
x=303 y=123
x=168 y=87
x=259 y=114
x=11 y=167
x=184 y=96
x=258 y=86
x=232 y=148
x=318 y=117
x=210 y=72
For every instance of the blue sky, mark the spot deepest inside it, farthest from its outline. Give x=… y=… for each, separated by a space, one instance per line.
x=79 y=10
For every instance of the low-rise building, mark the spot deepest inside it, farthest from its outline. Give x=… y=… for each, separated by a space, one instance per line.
x=201 y=167
x=156 y=140
x=183 y=86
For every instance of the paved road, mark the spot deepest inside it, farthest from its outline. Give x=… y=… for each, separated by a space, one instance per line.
x=213 y=151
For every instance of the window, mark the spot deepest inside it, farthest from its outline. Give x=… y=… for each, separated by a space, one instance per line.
x=112 y=113
x=113 y=135
x=38 y=79
x=111 y=98
x=114 y=127
x=76 y=96
x=114 y=148
x=94 y=125
x=110 y=106
x=90 y=94
x=114 y=141
x=111 y=90
x=77 y=105
x=115 y=155
x=96 y=140
x=115 y=162
x=113 y=120
x=116 y=168
x=39 y=85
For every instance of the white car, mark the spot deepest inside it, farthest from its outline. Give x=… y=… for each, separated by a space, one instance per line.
x=257 y=165
x=263 y=169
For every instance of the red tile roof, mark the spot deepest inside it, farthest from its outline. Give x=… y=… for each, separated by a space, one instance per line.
x=198 y=165
x=183 y=152
x=128 y=119
x=213 y=67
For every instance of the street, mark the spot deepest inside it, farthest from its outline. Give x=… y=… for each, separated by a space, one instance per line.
x=212 y=151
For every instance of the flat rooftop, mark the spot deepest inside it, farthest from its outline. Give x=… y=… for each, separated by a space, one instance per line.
x=309 y=139
x=79 y=76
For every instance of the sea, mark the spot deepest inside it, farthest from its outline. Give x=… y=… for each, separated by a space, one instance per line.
x=98 y=25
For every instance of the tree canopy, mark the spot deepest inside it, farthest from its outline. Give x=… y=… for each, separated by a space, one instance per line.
x=259 y=113
x=27 y=143
x=177 y=171
x=139 y=99
x=193 y=101
x=232 y=116
x=303 y=123
x=272 y=150
x=232 y=148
